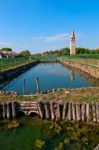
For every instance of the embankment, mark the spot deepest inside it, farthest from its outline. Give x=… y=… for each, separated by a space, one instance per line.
x=12 y=73
x=91 y=70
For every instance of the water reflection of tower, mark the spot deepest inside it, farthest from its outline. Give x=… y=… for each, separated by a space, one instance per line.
x=72 y=75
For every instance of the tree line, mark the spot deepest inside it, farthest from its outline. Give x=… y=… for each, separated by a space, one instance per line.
x=79 y=50
x=61 y=52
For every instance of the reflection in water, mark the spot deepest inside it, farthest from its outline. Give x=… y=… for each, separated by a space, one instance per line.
x=72 y=75
x=93 y=81
x=50 y=76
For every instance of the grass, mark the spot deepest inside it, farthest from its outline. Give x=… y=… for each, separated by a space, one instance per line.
x=9 y=63
x=85 y=56
x=89 y=62
x=88 y=59
x=80 y=95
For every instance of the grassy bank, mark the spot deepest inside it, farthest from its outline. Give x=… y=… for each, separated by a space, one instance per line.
x=89 y=62
x=80 y=95
x=88 y=59
x=9 y=63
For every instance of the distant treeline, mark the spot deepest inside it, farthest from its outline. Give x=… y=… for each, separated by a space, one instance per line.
x=66 y=51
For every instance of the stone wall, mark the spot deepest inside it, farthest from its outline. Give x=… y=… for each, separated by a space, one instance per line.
x=91 y=70
x=12 y=73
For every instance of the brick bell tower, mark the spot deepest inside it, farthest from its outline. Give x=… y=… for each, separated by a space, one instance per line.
x=72 y=44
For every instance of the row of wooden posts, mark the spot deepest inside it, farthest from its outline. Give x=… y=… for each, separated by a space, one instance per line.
x=7 y=110
x=70 y=111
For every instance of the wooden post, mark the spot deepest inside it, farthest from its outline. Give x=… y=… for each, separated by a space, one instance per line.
x=4 y=111
x=24 y=86
x=64 y=111
x=40 y=110
x=47 y=113
x=74 y=111
x=1 y=111
x=78 y=112
x=8 y=111
x=52 y=110
x=37 y=85
x=69 y=114
x=97 y=111
x=88 y=111
x=58 y=114
x=94 y=112
x=13 y=110
x=83 y=112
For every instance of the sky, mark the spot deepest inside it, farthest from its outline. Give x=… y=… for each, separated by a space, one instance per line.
x=42 y=25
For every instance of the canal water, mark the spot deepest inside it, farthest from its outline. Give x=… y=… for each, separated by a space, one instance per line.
x=50 y=76
x=55 y=136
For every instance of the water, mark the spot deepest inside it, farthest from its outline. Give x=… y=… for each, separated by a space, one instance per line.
x=72 y=136
x=50 y=76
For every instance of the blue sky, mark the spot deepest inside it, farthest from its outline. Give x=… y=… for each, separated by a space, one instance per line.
x=41 y=25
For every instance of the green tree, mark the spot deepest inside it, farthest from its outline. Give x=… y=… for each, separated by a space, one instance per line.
x=81 y=50
x=7 y=49
x=65 y=51
x=25 y=53
x=97 y=50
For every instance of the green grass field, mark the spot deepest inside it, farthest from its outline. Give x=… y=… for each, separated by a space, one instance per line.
x=88 y=59
x=9 y=63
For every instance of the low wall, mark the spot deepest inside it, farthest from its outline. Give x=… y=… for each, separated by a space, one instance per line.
x=91 y=70
x=12 y=73
x=68 y=111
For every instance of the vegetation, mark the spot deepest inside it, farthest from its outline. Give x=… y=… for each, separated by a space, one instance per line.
x=6 y=49
x=39 y=144
x=25 y=53
x=13 y=124
x=25 y=56
x=37 y=134
x=80 y=95
x=91 y=62
x=8 y=63
x=66 y=51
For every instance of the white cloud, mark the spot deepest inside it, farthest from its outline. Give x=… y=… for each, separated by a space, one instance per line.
x=57 y=37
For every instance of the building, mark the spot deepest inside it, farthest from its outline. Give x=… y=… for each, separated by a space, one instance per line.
x=45 y=54
x=11 y=55
x=5 y=54
x=72 y=44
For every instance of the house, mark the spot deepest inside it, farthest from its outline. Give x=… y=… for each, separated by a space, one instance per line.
x=11 y=55
x=45 y=54
x=4 y=54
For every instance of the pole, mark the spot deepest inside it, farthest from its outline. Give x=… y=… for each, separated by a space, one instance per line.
x=37 y=85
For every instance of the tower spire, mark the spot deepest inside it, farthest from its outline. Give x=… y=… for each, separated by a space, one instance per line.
x=72 y=43
x=73 y=32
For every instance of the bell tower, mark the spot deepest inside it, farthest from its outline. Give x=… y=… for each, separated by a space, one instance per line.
x=72 y=44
